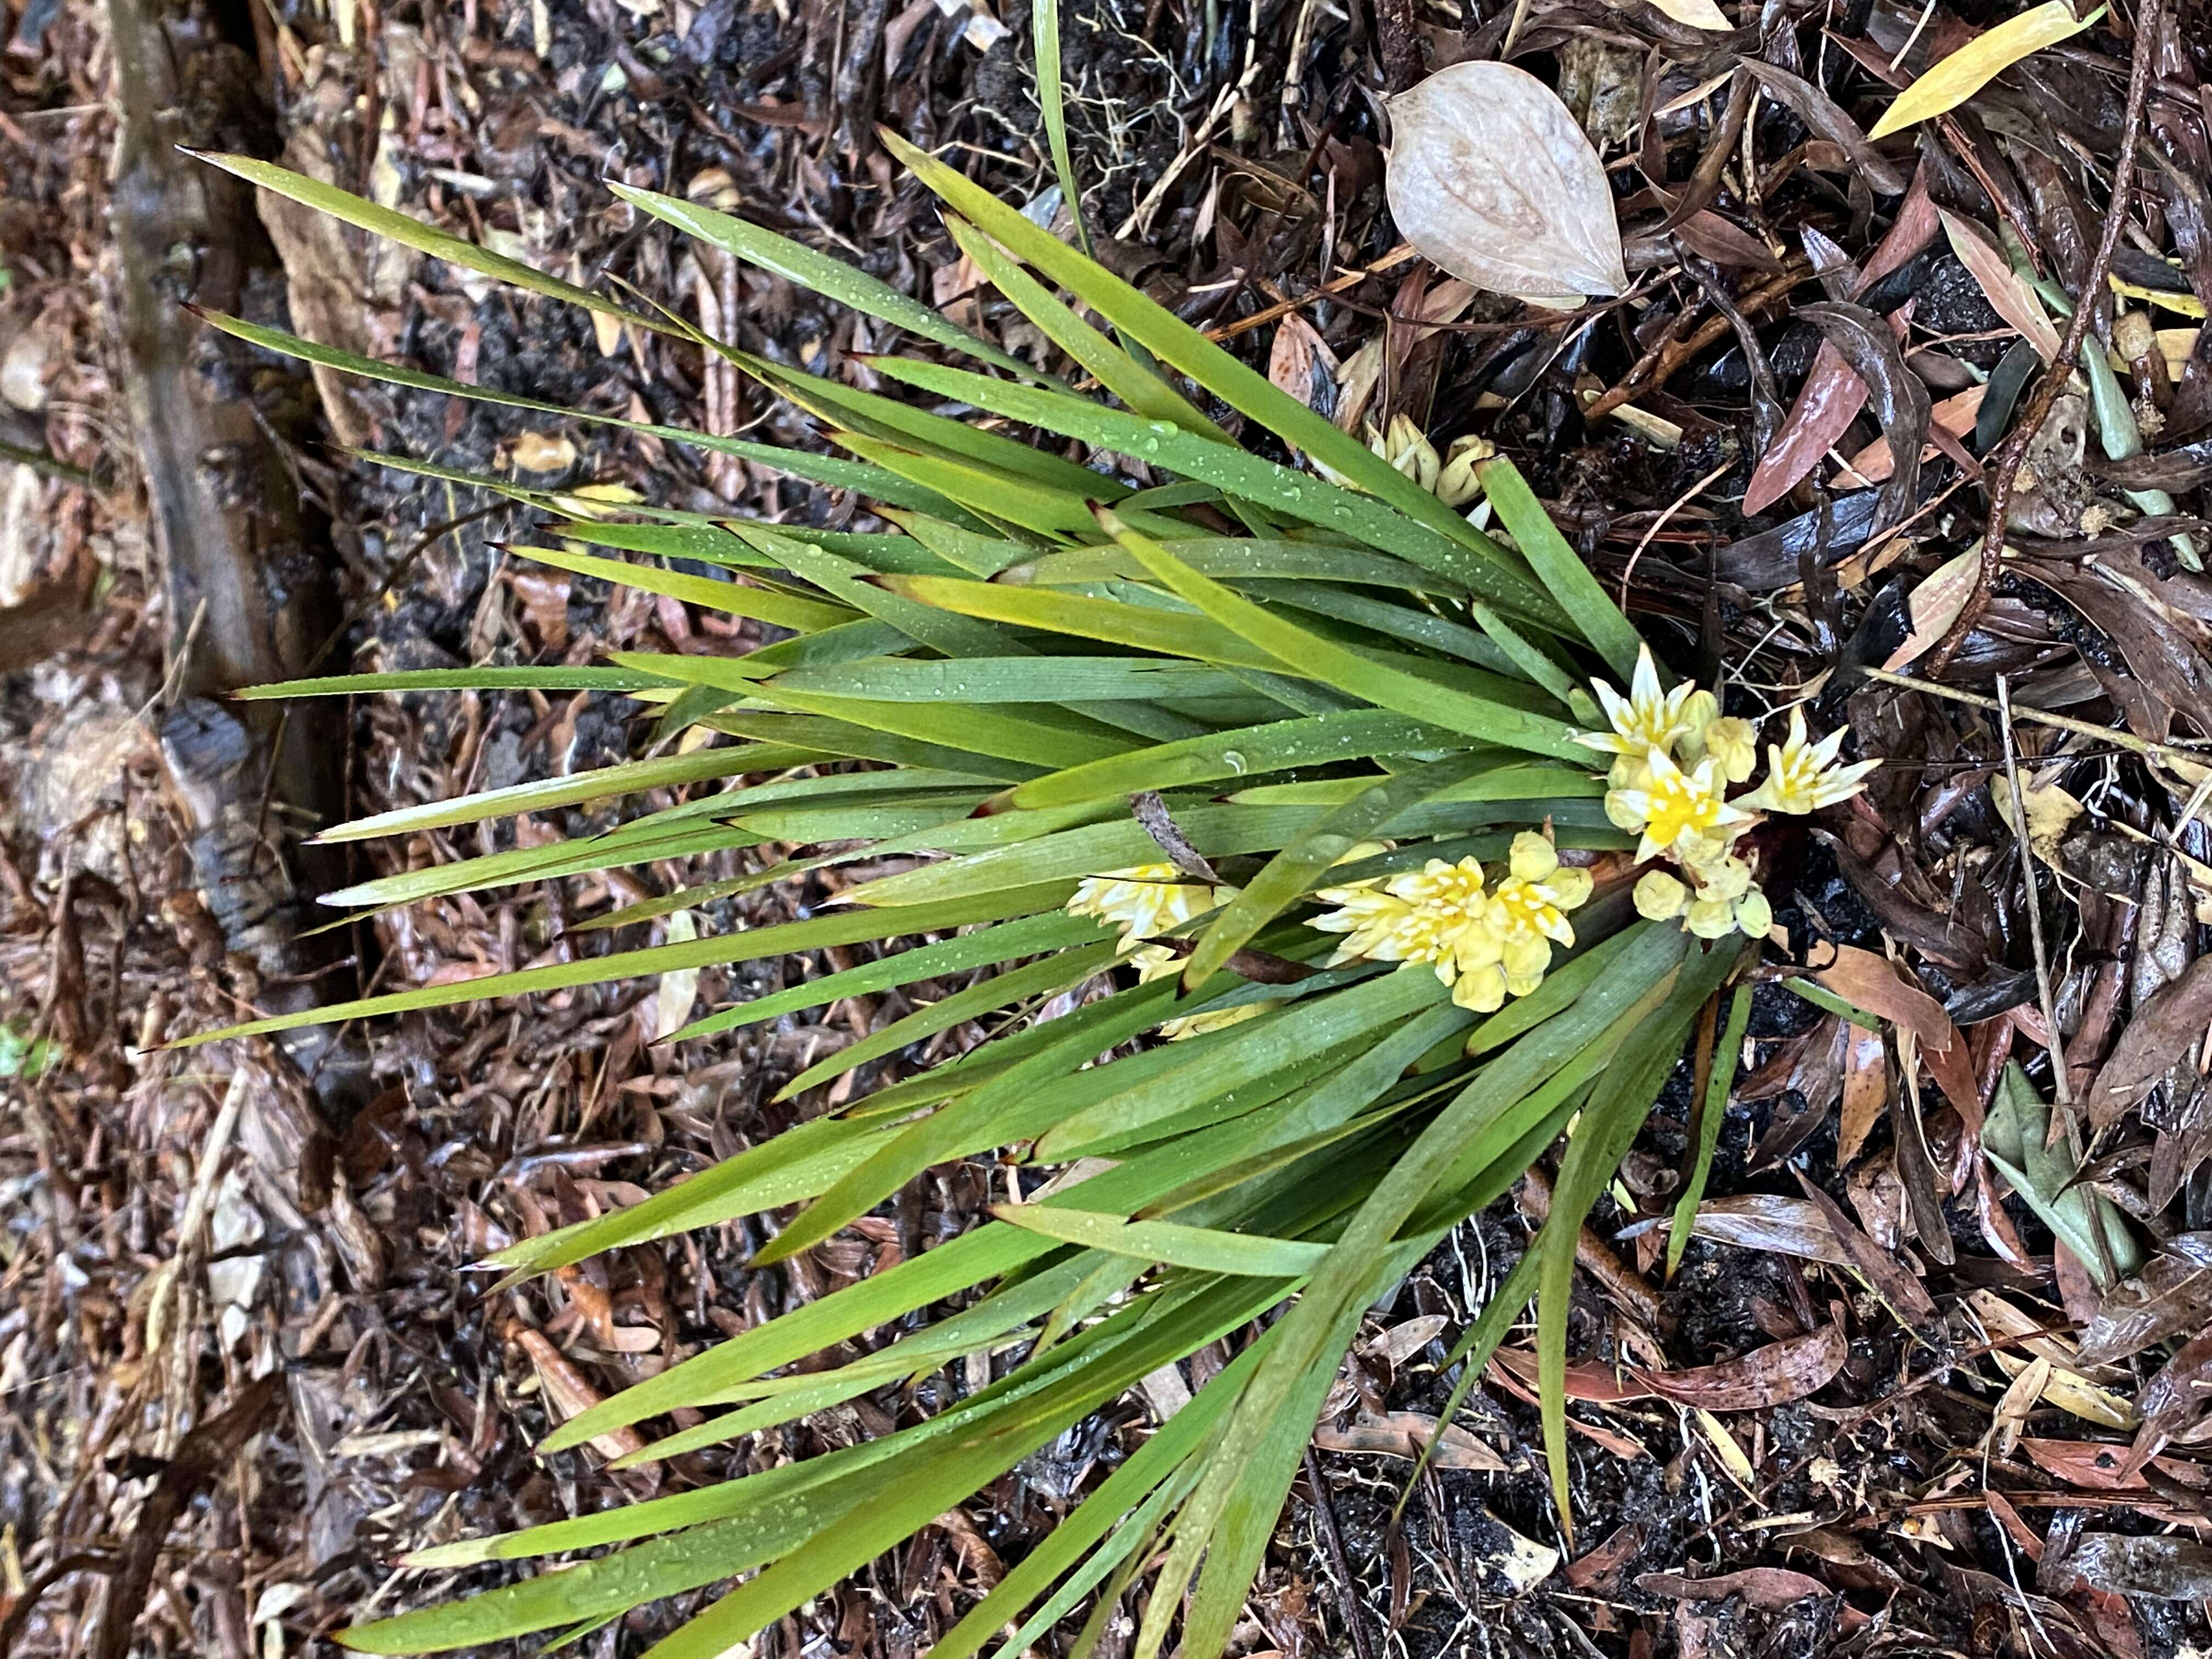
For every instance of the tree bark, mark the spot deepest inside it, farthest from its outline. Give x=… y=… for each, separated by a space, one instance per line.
x=250 y=598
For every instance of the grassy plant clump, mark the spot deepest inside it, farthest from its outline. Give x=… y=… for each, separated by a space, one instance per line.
x=1293 y=766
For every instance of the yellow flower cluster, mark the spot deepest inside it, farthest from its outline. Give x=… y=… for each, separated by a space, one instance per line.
x=1485 y=944
x=1674 y=756
x=1144 y=901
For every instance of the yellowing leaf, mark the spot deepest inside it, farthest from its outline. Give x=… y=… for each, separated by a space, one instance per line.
x=2187 y=305
x=2051 y=812
x=2075 y=1394
x=1492 y=178
x=1935 y=605
x=1947 y=85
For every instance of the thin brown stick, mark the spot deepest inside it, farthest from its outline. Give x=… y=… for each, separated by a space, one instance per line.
x=2004 y=471
x=1325 y=1516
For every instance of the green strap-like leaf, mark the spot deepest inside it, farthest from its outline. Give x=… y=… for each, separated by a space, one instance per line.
x=985 y=948
x=1201 y=1248
x=1287 y=875
x=457 y=679
x=1608 y=1126
x=839 y=474
x=1143 y=390
x=1315 y=740
x=1062 y=971
x=832 y=279
x=1174 y=341
x=1559 y=566
x=732 y=599
x=1302 y=652
x=1712 y=1110
x=397 y=227
x=604 y=783
x=837 y=928
x=1045 y=36
x=1237 y=471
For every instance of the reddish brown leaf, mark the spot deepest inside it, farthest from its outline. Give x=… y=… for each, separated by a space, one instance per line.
x=2171 y=1294
x=1914 y=227
x=1866 y=1091
x=1593 y=1384
x=1870 y=981
x=1772 y=1376
x=2099 y=1466
x=1828 y=403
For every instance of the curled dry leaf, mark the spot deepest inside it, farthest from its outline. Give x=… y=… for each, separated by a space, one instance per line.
x=1492 y=180
x=1772 y=1376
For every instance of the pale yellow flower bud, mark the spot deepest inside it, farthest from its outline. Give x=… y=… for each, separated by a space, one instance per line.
x=1457 y=485
x=1482 y=990
x=1659 y=896
x=1630 y=772
x=1407 y=449
x=1711 y=918
x=1700 y=710
x=1533 y=857
x=1753 y=914
x=1735 y=744
x=1624 y=809
x=1726 y=878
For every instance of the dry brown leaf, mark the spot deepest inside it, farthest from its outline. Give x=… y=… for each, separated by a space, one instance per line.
x=1296 y=355
x=1768 y=1221
x=2164 y=1030
x=1871 y=982
x=1764 y=1589
x=1772 y=1376
x=1955 y=415
x=1866 y=1091
x=1403 y=1434
x=1492 y=179
x=568 y=1392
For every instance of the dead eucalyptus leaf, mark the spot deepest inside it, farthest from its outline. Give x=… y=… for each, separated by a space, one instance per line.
x=1492 y=180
